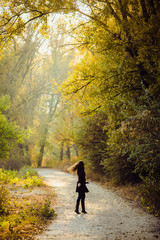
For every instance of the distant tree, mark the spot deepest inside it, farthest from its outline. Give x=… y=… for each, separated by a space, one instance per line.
x=57 y=72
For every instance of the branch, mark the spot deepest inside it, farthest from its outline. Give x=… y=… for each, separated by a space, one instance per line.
x=75 y=28
x=90 y=111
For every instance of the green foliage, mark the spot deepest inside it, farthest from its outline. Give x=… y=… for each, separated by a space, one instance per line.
x=151 y=194
x=27 y=177
x=4 y=103
x=114 y=88
x=18 y=157
x=32 y=181
x=133 y=154
x=8 y=176
x=27 y=171
x=91 y=137
x=15 y=66
x=119 y=169
x=46 y=210
x=10 y=133
x=118 y=73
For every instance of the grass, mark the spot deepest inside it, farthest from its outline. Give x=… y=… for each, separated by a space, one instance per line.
x=25 y=204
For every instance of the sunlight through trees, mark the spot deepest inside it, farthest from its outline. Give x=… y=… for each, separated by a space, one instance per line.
x=83 y=79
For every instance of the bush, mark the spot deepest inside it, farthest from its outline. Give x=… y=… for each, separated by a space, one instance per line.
x=32 y=181
x=27 y=177
x=46 y=210
x=151 y=193
x=10 y=133
x=18 y=157
x=4 y=200
x=91 y=137
x=7 y=176
x=27 y=171
x=120 y=170
x=133 y=153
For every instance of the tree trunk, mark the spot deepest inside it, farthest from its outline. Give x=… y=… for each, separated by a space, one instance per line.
x=52 y=110
x=62 y=151
x=68 y=153
x=40 y=157
x=76 y=150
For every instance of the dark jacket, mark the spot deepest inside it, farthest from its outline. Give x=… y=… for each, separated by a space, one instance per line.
x=82 y=180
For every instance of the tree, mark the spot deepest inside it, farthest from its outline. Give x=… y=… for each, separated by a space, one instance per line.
x=57 y=70
x=10 y=133
x=63 y=135
x=118 y=75
x=115 y=72
x=16 y=67
x=15 y=15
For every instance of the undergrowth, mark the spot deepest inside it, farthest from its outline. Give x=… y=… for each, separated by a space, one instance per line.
x=26 y=177
x=25 y=204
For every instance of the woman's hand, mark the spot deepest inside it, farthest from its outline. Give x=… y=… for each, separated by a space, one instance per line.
x=79 y=184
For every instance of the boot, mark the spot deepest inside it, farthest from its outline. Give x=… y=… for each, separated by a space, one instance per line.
x=83 y=207
x=77 y=208
x=77 y=212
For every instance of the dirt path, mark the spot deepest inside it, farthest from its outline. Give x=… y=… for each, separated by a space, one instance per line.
x=109 y=216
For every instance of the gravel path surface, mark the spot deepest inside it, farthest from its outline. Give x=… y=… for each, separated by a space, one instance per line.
x=109 y=216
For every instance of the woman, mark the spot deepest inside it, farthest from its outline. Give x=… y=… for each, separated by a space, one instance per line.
x=81 y=185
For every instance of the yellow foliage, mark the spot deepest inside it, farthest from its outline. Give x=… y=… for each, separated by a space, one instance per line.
x=36 y=122
x=4 y=226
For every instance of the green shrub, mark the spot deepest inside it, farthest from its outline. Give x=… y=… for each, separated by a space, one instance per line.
x=91 y=137
x=27 y=177
x=151 y=193
x=27 y=171
x=120 y=170
x=9 y=132
x=133 y=153
x=46 y=210
x=33 y=181
x=7 y=176
x=43 y=211
x=18 y=157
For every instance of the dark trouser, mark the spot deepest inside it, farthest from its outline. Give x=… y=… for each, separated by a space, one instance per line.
x=81 y=196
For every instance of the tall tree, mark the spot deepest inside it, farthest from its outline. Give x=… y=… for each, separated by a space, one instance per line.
x=57 y=71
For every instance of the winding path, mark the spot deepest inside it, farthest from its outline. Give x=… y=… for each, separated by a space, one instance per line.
x=109 y=216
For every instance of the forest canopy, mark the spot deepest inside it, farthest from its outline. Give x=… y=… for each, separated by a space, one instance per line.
x=83 y=77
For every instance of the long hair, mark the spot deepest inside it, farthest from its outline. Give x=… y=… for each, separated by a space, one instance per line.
x=76 y=166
